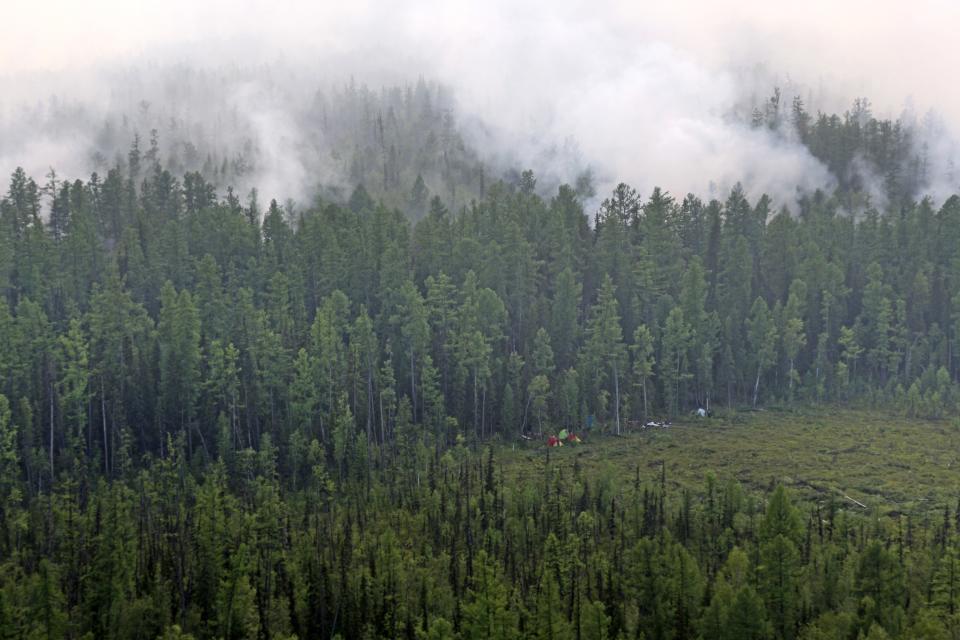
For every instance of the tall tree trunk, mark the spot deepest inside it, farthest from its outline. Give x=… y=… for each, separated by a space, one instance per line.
x=756 y=387
x=383 y=430
x=676 y=393
x=235 y=424
x=644 y=387
x=369 y=404
x=616 y=392
x=483 y=412
x=103 y=414
x=475 y=410
x=790 y=382
x=413 y=388
x=51 y=437
x=185 y=425
x=523 y=422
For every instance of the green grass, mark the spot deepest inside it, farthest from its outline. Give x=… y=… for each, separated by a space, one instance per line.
x=891 y=463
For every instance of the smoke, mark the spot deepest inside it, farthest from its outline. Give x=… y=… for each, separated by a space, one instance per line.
x=651 y=94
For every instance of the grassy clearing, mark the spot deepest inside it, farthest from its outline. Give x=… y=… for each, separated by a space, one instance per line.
x=891 y=463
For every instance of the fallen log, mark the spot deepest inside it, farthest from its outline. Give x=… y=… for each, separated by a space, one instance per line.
x=856 y=502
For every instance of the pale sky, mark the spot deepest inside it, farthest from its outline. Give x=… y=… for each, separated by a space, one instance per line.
x=893 y=50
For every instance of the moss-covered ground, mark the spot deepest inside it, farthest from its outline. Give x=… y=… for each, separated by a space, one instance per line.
x=885 y=462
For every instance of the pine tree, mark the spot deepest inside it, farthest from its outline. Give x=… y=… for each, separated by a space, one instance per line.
x=643 y=361
x=485 y=612
x=604 y=349
x=792 y=332
x=411 y=316
x=946 y=584
x=780 y=531
x=876 y=319
x=74 y=383
x=13 y=524
x=564 y=327
x=179 y=338
x=550 y=621
x=673 y=365
x=542 y=355
x=762 y=336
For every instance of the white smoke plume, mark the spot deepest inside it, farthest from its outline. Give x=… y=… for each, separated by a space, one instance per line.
x=642 y=92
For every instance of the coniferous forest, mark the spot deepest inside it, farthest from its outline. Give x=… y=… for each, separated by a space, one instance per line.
x=225 y=418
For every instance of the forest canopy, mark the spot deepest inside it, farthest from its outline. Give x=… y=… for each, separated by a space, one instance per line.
x=227 y=418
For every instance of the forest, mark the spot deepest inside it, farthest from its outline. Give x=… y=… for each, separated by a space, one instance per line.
x=221 y=418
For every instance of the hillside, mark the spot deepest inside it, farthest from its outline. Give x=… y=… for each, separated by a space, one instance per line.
x=226 y=418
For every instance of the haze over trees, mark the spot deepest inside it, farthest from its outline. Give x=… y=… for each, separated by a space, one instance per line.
x=240 y=419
